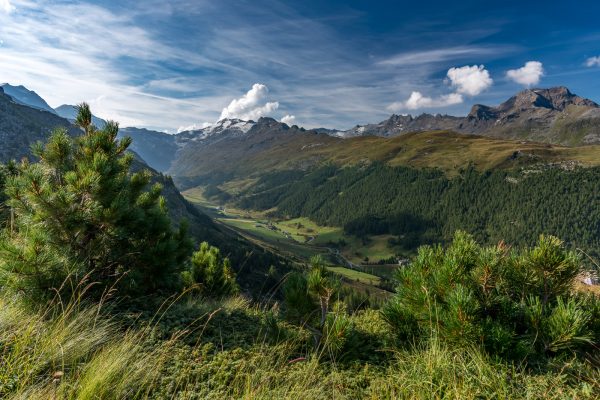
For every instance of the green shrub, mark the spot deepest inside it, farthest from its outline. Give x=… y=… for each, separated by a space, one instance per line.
x=80 y=214
x=516 y=304
x=211 y=273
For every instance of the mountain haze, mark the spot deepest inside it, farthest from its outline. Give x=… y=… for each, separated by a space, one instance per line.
x=70 y=112
x=24 y=96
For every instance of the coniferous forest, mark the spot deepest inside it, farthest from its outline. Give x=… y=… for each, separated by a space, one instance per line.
x=425 y=206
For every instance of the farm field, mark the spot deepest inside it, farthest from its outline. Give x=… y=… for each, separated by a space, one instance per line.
x=301 y=238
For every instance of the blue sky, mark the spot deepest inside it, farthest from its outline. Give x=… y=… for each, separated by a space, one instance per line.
x=173 y=64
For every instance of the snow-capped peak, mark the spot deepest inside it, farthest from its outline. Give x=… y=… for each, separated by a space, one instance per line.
x=230 y=127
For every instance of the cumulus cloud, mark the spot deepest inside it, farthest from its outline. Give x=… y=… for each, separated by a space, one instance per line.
x=6 y=6
x=289 y=119
x=593 y=62
x=470 y=80
x=193 y=127
x=417 y=100
x=252 y=105
x=527 y=75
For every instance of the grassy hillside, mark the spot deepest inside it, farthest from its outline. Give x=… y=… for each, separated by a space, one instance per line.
x=238 y=159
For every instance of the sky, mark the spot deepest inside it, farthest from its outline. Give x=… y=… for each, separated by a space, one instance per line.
x=172 y=65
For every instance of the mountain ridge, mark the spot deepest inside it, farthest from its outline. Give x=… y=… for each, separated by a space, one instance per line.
x=553 y=115
x=21 y=95
x=69 y=112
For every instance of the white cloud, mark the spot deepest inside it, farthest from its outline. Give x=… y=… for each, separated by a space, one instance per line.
x=289 y=119
x=252 y=105
x=417 y=101
x=193 y=127
x=6 y=6
x=470 y=80
x=593 y=62
x=42 y=51
x=527 y=75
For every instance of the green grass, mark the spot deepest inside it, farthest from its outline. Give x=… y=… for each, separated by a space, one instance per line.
x=73 y=353
x=232 y=353
x=302 y=229
x=258 y=232
x=356 y=275
x=375 y=250
x=306 y=238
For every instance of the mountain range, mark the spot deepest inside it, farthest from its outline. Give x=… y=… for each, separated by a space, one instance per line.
x=555 y=116
x=20 y=94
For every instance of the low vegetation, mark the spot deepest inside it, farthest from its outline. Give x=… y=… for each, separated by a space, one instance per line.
x=101 y=299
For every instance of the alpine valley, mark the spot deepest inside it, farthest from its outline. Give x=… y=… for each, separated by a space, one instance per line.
x=377 y=214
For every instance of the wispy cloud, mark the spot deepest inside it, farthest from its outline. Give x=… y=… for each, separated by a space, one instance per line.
x=593 y=62
x=435 y=55
x=172 y=64
x=6 y=6
x=74 y=52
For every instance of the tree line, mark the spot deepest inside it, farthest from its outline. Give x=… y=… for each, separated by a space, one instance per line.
x=423 y=206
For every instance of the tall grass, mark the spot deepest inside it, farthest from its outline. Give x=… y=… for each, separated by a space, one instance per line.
x=75 y=353
x=72 y=353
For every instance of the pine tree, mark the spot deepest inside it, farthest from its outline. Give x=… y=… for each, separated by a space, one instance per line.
x=516 y=303
x=211 y=272
x=308 y=303
x=79 y=213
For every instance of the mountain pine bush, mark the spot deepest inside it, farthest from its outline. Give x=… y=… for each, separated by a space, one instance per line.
x=516 y=304
x=80 y=215
x=211 y=272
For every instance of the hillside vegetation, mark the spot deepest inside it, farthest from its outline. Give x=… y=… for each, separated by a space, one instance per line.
x=256 y=154
x=103 y=296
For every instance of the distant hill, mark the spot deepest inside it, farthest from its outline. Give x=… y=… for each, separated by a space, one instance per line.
x=21 y=126
x=273 y=146
x=70 y=112
x=20 y=94
x=156 y=148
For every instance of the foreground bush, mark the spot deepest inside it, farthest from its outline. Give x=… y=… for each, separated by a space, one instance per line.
x=516 y=304
x=80 y=214
x=210 y=272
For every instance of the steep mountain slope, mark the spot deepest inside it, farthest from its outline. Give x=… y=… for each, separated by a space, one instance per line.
x=70 y=112
x=156 y=148
x=222 y=154
x=160 y=149
x=21 y=126
x=272 y=146
x=22 y=95
x=552 y=115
